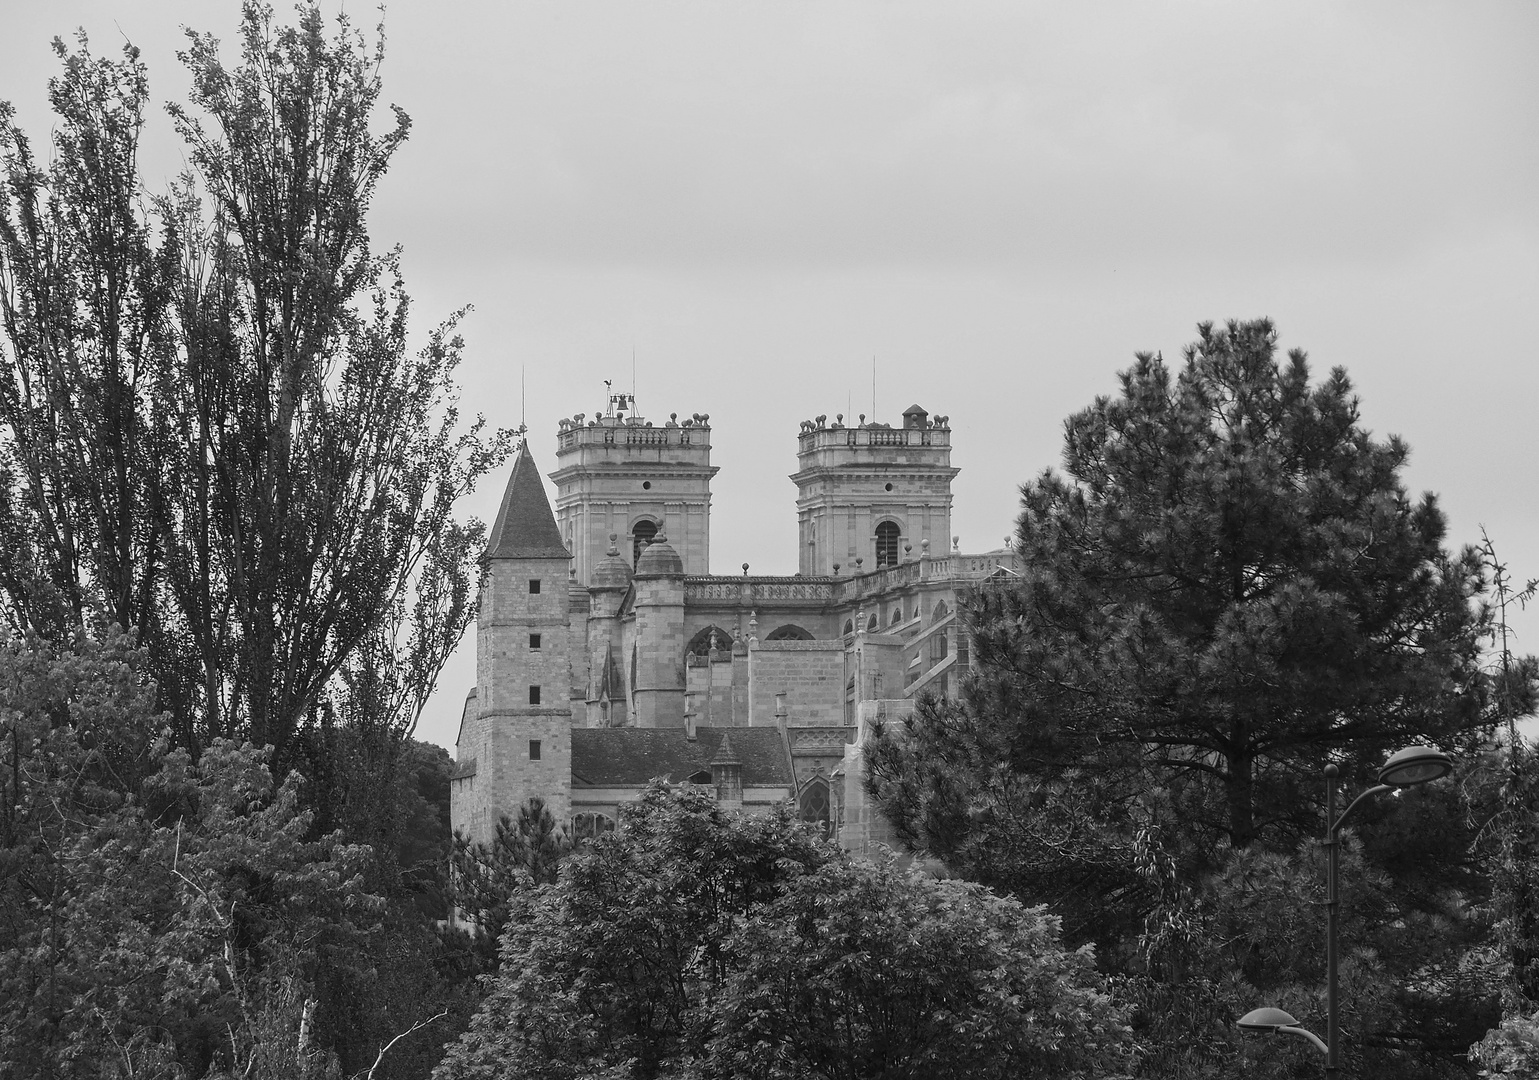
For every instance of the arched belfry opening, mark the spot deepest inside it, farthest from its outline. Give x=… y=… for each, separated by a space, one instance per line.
x=887 y=537
x=641 y=535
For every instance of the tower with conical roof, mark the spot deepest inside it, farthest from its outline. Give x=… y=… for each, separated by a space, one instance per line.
x=515 y=742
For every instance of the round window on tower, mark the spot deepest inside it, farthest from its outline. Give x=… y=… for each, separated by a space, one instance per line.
x=889 y=487
x=646 y=485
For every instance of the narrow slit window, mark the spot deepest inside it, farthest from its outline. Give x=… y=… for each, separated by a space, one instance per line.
x=534 y=695
x=534 y=749
x=534 y=642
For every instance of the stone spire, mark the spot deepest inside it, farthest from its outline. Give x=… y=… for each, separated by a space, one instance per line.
x=525 y=526
x=727 y=774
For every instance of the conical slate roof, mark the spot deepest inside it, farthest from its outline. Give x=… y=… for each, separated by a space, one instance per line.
x=725 y=755
x=525 y=527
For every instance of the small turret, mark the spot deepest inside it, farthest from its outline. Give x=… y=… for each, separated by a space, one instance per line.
x=659 y=608
x=613 y=573
x=607 y=699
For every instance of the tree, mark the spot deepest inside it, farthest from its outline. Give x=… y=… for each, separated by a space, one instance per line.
x=160 y=916
x=1227 y=588
x=692 y=940
x=1230 y=585
x=863 y=970
x=486 y=878
x=222 y=442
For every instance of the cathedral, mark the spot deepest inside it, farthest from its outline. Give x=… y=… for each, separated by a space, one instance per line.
x=608 y=655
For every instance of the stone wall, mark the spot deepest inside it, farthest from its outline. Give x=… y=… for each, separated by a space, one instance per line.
x=809 y=673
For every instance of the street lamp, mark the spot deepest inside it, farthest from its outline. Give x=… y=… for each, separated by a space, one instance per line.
x=1273 y=1020
x=1406 y=768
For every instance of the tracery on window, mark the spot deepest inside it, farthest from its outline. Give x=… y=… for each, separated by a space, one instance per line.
x=813 y=804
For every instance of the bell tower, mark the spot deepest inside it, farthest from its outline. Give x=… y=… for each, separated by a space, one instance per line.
x=872 y=492
x=620 y=473
x=516 y=739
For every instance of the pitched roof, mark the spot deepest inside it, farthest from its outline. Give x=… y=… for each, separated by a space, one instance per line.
x=629 y=757
x=525 y=527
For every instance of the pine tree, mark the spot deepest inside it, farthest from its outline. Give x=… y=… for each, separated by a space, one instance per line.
x=1229 y=585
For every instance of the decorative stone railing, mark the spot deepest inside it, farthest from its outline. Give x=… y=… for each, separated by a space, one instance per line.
x=708 y=588
x=944 y=568
x=818 y=438
x=819 y=739
x=608 y=433
x=829 y=590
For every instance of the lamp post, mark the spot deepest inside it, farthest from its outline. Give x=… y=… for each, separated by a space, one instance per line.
x=1407 y=768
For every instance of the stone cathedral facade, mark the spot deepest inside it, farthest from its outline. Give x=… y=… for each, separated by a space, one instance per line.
x=607 y=654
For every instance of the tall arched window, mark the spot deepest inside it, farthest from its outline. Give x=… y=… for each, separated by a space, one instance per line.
x=887 y=536
x=813 y=804
x=641 y=535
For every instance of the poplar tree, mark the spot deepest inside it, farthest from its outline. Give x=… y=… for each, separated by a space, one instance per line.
x=212 y=429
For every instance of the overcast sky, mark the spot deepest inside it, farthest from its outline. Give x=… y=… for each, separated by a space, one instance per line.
x=999 y=202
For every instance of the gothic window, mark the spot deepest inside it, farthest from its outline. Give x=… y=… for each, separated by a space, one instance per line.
x=940 y=612
x=587 y=825
x=789 y=632
x=937 y=648
x=887 y=536
x=871 y=625
x=813 y=804
x=897 y=615
x=641 y=535
x=712 y=638
x=849 y=627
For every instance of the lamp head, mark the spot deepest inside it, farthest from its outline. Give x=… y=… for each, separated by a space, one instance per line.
x=1415 y=765
x=1266 y=1019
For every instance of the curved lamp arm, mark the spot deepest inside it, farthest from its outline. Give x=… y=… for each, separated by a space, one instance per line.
x=1310 y=1035
x=1375 y=790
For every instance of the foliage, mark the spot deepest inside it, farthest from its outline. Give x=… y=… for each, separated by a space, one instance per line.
x=1510 y=1051
x=487 y=877
x=222 y=442
x=161 y=916
x=1228 y=588
x=213 y=434
x=860 y=970
x=665 y=950
x=1230 y=584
